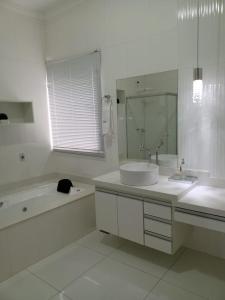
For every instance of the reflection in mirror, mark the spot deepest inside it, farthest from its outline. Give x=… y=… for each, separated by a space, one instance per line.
x=147 y=117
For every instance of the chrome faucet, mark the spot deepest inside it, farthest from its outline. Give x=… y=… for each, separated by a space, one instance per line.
x=157 y=151
x=157 y=157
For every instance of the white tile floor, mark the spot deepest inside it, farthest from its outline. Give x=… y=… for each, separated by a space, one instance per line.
x=102 y=267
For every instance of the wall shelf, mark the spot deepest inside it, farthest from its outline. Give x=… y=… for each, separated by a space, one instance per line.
x=18 y=112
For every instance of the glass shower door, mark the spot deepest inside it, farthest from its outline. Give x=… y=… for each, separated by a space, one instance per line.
x=151 y=121
x=135 y=128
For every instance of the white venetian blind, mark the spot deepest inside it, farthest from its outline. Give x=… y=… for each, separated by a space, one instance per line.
x=75 y=104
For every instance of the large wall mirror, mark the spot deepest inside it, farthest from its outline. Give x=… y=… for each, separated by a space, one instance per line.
x=147 y=117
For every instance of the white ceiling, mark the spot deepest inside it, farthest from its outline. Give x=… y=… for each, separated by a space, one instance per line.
x=39 y=5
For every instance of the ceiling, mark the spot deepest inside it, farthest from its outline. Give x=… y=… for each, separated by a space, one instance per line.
x=39 y=5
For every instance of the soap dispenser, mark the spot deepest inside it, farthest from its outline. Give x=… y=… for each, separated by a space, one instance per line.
x=182 y=167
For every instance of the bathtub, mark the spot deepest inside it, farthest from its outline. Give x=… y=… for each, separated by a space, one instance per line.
x=36 y=221
x=31 y=201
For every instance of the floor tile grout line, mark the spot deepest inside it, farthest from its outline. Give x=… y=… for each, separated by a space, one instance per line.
x=152 y=289
x=173 y=264
x=44 y=281
x=59 y=252
x=103 y=258
x=82 y=274
x=177 y=286
x=139 y=269
x=63 y=289
x=59 y=294
x=52 y=297
x=185 y=289
x=79 y=242
x=98 y=252
x=134 y=267
x=108 y=257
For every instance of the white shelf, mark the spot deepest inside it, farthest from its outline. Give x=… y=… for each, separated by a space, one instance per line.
x=18 y=112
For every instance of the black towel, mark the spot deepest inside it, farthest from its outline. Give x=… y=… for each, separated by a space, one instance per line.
x=64 y=186
x=3 y=116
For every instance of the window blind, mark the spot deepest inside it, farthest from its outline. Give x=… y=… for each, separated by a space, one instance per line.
x=74 y=88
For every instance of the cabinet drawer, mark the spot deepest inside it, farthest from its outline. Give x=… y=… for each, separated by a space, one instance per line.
x=158 y=227
x=160 y=211
x=158 y=244
x=200 y=220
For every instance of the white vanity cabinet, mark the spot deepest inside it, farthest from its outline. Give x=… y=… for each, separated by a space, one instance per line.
x=106 y=212
x=120 y=216
x=130 y=219
x=144 y=221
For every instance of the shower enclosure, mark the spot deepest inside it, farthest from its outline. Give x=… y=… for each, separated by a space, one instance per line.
x=151 y=120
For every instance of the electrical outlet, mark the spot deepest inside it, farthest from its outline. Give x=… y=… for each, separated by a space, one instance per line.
x=22 y=157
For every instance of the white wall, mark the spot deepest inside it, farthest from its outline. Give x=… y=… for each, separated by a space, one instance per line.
x=22 y=77
x=136 y=37
x=153 y=83
x=202 y=127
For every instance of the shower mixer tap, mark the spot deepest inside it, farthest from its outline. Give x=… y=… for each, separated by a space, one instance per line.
x=157 y=151
x=146 y=150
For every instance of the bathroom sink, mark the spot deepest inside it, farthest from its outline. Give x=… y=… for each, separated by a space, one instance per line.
x=139 y=173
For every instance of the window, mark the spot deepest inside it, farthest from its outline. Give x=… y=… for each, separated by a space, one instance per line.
x=75 y=104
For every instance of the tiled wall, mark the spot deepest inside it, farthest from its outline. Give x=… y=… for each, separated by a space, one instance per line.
x=202 y=126
x=22 y=78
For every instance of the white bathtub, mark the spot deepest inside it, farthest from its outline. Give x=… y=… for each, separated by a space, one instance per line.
x=36 y=221
x=31 y=201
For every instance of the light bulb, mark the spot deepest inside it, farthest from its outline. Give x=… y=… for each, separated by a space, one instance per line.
x=197 y=86
x=197 y=91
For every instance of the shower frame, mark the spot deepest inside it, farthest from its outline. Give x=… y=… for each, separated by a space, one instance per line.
x=139 y=97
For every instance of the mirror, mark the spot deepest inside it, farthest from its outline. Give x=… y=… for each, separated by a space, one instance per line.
x=147 y=117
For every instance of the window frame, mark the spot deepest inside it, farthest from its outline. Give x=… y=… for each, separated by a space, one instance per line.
x=97 y=154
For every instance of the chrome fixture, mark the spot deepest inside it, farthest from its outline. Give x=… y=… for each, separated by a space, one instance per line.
x=197 y=73
x=157 y=157
x=182 y=165
x=147 y=151
x=140 y=130
x=157 y=151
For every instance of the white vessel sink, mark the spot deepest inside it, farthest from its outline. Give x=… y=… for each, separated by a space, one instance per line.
x=139 y=173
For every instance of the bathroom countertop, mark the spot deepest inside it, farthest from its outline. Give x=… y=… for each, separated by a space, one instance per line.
x=163 y=190
x=206 y=199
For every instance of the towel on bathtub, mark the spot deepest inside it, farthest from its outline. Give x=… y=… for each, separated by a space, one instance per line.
x=3 y=116
x=64 y=186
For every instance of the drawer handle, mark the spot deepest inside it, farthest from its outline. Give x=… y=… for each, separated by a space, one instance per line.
x=200 y=214
x=157 y=219
x=24 y=209
x=159 y=236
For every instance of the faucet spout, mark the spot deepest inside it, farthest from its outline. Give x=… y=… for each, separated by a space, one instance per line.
x=157 y=157
x=147 y=152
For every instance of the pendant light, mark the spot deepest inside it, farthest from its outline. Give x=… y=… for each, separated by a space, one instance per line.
x=197 y=74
